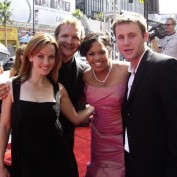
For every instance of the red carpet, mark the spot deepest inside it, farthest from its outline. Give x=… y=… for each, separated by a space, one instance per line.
x=82 y=148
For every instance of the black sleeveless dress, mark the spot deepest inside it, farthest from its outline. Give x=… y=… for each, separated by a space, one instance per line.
x=38 y=148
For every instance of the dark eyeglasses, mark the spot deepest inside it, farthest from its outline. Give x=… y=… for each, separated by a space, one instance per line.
x=168 y=24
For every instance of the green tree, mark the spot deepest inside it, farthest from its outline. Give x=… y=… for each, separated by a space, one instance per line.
x=100 y=17
x=78 y=14
x=5 y=16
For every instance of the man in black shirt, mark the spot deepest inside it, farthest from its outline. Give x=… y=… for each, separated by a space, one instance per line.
x=69 y=34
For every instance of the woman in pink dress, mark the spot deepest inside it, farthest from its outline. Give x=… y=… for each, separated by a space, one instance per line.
x=105 y=84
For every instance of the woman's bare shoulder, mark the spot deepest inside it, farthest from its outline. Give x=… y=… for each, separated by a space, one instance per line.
x=86 y=74
x=121 y=65
x=124 y=64
x=121 y=69
x=88 y=70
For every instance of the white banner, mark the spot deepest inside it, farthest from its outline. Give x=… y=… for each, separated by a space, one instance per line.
x=46 y=12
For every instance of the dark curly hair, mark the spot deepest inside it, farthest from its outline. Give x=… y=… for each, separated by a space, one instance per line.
x=91 y=38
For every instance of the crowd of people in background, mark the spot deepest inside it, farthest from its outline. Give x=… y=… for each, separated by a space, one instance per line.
x=133 y=102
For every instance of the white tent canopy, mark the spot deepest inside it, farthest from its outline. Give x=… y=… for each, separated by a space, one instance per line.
x=3 y=49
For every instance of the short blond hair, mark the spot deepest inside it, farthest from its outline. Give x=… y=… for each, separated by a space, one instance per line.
x=71 y=21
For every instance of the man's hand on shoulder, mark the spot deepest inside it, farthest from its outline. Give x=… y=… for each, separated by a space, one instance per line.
x=4 y=90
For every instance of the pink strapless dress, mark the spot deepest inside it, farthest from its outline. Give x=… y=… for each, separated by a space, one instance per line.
x=107 y=154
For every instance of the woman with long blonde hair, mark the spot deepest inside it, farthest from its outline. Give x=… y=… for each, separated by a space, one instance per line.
x=31 y=110
x=14 y=70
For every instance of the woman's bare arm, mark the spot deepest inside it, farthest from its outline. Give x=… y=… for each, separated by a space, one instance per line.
x=69 y=111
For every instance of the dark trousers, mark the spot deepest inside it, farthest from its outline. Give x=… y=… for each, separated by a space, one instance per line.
x=128 y=164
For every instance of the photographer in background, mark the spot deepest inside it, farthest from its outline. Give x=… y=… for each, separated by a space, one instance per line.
x=168 y=44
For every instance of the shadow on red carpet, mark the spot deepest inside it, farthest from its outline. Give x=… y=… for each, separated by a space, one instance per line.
x=82 y=148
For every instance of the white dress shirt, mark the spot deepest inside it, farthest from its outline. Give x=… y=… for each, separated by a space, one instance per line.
x=130 y=83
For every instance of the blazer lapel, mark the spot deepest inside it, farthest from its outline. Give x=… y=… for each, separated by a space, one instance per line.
x=140 y=73
x=126 y=91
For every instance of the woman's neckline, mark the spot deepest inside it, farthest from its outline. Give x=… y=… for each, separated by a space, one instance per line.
x=106 y=77
x=111 y=86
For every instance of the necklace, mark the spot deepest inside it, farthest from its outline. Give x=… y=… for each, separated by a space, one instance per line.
x=102 y=81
